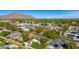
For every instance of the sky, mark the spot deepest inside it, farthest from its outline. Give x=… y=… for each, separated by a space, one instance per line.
x=45 y=13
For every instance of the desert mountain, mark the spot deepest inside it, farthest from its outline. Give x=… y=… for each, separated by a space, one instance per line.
x=16 y=16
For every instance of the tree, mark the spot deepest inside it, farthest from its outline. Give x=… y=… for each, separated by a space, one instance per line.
x=31 y=36
x=4 y=33
x=39 y=29
x=65 y=27
x=43 y=42
x=16 y=39
x=36 y=45
x=16 y=43
x=72 y=45
x=44 y=23
x=31 y=30
x=51 y=34
x=25 y=36
x=20 y=30
x=2 y=41
x=69 y=44
x=12 y=27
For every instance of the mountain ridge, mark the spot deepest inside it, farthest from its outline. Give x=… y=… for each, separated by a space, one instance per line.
x=16 y=16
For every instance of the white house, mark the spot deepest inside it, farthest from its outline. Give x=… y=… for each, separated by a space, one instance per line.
x=76 y=37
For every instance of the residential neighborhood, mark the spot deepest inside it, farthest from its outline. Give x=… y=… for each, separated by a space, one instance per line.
x=18 y=31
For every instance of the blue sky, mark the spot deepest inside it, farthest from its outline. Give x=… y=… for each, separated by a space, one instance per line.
x=45 y=13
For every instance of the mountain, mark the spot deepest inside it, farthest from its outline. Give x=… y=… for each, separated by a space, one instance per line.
x=16 y=16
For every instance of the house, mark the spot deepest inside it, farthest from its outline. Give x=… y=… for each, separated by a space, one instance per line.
x=26 y=45
x=9 y=47
x=74 y=34
x=74 y=26
x=76 y=37
x=73 y=31
x=57 y=43
x=70 y=33
x=34 y=40
x=39 y=24
x=15 y=35
x=50 y=47
x=56 y=28
x=13 y=47
x=24 y=29
x=23 y=26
